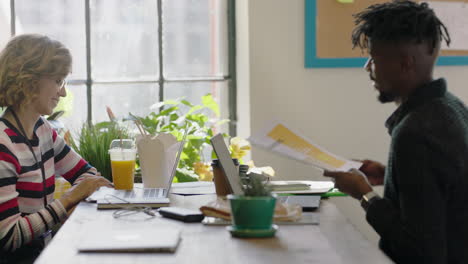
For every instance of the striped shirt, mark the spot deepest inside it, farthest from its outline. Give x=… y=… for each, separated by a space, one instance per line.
x=23 y=215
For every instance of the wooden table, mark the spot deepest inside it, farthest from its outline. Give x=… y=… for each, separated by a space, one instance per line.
x=334 y=240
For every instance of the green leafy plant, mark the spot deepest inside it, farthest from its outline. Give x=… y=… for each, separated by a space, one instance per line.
x=175 y=117
x=93 y=144
x=253 y=185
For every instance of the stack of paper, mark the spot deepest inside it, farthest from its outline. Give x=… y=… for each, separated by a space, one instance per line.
x=305 y=187
x=288 y=186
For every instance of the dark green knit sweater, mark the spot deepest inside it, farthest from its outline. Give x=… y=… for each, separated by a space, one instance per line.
x=423 y=216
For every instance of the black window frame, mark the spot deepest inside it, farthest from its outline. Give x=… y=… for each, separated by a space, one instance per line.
x=230 y=78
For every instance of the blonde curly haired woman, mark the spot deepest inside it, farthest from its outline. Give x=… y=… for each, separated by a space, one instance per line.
x=33 y=69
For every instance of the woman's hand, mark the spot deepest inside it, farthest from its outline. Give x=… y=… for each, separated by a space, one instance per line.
x=83 y=189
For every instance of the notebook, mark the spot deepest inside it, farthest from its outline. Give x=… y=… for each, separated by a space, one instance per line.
x=108 y=198
x=130 y=240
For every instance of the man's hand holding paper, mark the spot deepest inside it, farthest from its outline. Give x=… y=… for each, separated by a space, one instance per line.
x=353 y=182
x=374 y=171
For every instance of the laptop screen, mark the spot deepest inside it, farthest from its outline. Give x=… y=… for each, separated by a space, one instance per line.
x=176 y=163
x=227 y=164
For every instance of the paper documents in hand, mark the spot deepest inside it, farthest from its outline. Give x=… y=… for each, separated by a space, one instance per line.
x=279 y=138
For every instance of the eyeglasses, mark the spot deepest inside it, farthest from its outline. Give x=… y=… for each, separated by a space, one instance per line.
x=369 y=66
x=61 y=83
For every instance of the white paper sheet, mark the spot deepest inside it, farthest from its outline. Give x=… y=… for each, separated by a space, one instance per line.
x=454 y=15
x=279 y=138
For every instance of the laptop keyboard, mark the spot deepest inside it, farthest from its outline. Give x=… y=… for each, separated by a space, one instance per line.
x=147 y=193
x=129 y=195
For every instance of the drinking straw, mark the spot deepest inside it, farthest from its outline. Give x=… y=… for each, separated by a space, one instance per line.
x=121 y=145
x=139 y=127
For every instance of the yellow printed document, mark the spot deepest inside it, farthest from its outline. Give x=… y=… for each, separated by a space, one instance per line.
x=279 y=138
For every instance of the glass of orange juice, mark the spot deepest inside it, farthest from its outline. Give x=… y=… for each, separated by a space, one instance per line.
x=122 y=155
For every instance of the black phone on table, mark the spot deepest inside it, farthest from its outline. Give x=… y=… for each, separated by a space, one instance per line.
x=181 y=214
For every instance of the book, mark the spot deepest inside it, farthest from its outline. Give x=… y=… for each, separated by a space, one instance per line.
x=288 y=186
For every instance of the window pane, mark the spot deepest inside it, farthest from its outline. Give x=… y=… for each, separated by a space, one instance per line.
x=124 y=39
x=194 y=38
x=193 y=92
x=5 y=23
x=75 y=107
x=62 y=20
x=122 y=99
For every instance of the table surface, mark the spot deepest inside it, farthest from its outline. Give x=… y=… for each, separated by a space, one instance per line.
x=335 y=240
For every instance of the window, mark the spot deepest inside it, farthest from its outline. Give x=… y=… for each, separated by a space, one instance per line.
x=130 y=54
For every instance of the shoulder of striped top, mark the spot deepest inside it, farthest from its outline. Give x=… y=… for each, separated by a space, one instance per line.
x=6 y=131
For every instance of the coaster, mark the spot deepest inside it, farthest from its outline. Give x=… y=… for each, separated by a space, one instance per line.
x=252 y=232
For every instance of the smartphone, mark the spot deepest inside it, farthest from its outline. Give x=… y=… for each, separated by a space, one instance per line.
x=181 y=214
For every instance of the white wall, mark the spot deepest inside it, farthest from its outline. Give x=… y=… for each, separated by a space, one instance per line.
x=336 y=108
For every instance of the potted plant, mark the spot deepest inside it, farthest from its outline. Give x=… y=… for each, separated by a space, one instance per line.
x=252 y=213
x=174 y=116
x=93 y=144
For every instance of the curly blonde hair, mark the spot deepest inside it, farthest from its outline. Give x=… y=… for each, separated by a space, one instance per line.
x=26 y=59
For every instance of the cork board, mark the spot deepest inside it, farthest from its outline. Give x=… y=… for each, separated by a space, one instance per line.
x=328 y=35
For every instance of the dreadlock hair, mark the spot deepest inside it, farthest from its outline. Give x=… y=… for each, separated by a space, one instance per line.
x=399 y=22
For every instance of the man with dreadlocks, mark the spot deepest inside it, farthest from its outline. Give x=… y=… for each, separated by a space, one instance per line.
x=423 y=215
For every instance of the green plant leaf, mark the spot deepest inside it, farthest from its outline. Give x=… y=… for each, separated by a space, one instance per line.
x=187 y=103
x=253 y=185
x=209 y=102
x=185 y=175
x=195 y=108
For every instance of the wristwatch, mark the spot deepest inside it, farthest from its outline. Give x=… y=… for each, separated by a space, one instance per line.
x=368 y=198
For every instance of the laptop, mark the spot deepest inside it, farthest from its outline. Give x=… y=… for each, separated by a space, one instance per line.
x=131 y=239
x=108 y=198
x=224 y=157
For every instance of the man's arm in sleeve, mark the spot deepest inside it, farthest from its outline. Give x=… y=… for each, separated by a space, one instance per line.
x=416 y=232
